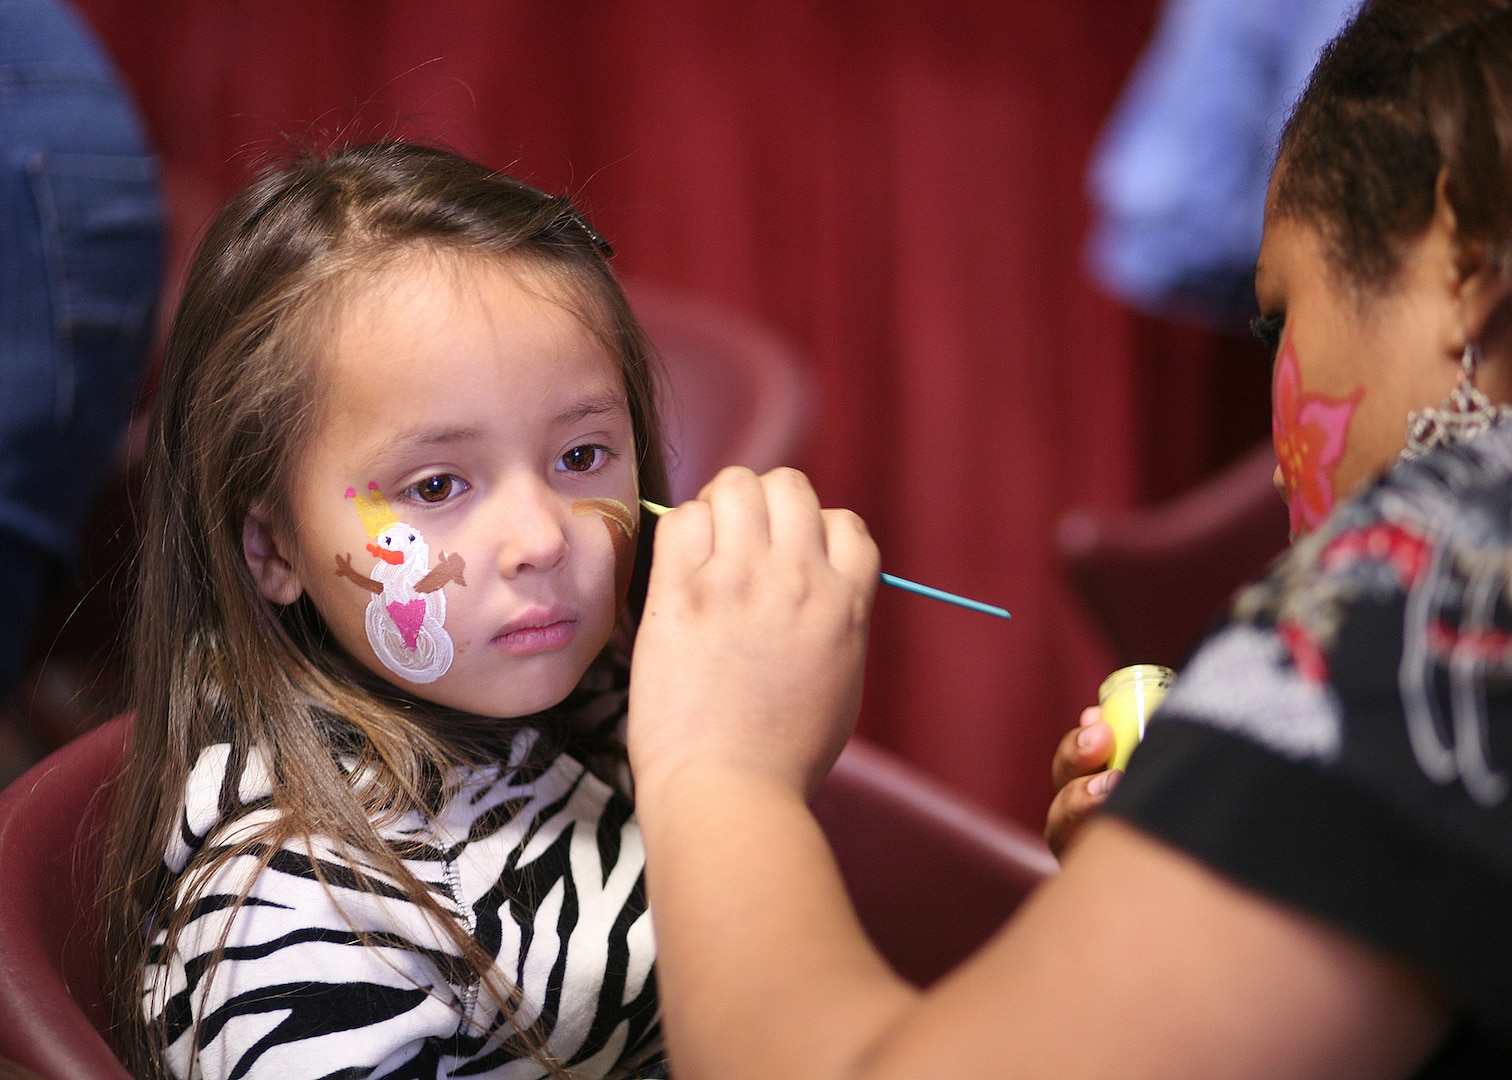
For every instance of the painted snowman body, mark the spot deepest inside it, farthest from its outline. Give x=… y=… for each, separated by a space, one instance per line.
x=404 y=625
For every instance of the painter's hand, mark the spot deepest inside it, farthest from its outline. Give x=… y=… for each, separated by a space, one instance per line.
x=1081 y=777
x=751 y=649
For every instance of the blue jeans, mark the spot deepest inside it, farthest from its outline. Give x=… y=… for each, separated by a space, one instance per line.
x=81 y=250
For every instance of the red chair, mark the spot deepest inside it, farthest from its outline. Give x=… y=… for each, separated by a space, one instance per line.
x=931 y=875
x=9 y=1070
x=1154 y=578
x=734 y=393
x=51 y=1012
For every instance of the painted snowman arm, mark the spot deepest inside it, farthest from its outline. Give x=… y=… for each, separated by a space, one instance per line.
x=344 y=569
x=448 y=569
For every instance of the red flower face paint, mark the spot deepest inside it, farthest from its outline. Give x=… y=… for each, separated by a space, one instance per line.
x=1309 y=432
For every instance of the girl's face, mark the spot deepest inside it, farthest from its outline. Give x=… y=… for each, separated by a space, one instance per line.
x=1349 y=367
x=464 y=515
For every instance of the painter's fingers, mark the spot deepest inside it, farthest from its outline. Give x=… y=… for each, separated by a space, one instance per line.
x=1081 y=784
x=1084 y=750
x=737 y=502
x=751 y=649
x=1073 y=805
x=852 y=551
x=794 y=521
x=684 y=543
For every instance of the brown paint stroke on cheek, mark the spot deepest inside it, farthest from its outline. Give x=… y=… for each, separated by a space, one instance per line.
x=622 y=526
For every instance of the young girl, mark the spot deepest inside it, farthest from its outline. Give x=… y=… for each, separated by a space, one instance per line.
x=373 y=819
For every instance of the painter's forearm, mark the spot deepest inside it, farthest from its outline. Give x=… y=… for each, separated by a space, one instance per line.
x=766 y=971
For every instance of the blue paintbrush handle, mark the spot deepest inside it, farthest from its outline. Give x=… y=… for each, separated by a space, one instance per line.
x=900 y=583
x=949 y=597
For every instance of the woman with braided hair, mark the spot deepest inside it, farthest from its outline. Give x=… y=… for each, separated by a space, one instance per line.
x=1307 y=870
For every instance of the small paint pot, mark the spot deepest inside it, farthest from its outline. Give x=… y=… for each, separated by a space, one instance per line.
x=1128 y=697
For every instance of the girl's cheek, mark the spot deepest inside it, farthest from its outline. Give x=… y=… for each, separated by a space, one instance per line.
x=623 y=524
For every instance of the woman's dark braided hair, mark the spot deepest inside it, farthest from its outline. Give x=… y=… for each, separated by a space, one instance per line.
x=1411 y=88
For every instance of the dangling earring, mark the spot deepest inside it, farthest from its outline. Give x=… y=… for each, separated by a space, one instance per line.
x=1464 y=414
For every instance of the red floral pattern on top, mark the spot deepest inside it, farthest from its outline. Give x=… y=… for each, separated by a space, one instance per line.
x=1307 y=629
x=1487 y=644
x=1307 y=656
x=1405 y=550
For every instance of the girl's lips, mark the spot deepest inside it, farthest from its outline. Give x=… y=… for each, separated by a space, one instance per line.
x=528 y=640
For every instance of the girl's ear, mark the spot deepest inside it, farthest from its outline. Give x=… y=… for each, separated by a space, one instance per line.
x=272 y=571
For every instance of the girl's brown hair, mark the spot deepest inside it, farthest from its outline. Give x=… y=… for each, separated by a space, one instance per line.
x=1409 y=89
x=211 y=660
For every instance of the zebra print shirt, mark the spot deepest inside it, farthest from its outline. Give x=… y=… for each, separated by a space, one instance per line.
x=543 y=867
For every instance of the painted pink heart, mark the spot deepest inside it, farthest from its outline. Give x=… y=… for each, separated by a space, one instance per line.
x=408 y=617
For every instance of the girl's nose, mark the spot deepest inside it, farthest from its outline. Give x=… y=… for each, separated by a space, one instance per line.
x=534 y=535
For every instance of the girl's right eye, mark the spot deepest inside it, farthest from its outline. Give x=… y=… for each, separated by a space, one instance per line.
x=585 y=459
x=1268 y=329
x=438 y=488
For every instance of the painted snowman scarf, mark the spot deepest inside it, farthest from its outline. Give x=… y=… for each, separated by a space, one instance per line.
x=406 y=616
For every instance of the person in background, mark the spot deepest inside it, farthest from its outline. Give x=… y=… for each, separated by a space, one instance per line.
x=1178 y=180
x=81 y=248
x=1307 y=869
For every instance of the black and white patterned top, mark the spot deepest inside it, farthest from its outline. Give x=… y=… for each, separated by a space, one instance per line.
x=544 y=868
x=1343 y=742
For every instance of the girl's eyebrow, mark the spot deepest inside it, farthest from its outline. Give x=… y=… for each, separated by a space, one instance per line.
x=404 y=442
x=607 y=405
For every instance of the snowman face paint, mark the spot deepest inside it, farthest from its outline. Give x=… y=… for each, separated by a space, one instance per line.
x=406 y=617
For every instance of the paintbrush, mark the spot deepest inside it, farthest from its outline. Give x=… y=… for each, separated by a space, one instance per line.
x=897 y=582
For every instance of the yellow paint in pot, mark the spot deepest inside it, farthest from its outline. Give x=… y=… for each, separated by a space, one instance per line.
x=1128 y=697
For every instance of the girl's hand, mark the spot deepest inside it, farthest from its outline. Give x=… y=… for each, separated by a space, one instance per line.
x=1081 y=784
x=751 y=650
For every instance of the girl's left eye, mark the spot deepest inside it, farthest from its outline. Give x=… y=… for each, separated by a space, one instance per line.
x=438 y=488
x=586 y=458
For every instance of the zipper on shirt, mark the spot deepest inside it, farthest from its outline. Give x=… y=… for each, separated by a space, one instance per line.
x=470 y=922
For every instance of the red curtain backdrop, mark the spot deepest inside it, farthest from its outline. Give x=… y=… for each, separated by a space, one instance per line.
x=894 y=185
